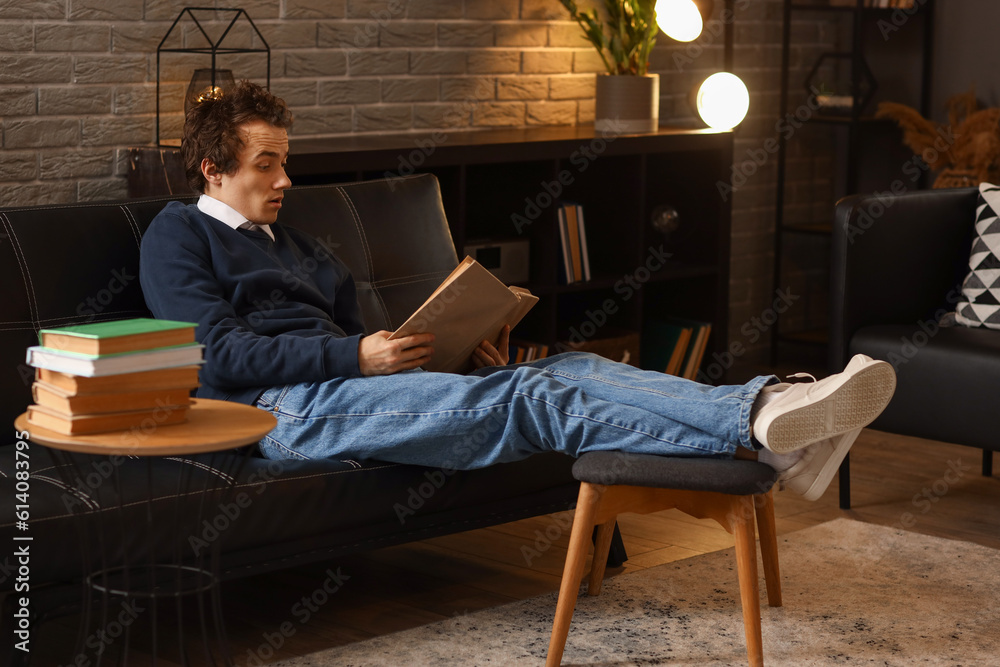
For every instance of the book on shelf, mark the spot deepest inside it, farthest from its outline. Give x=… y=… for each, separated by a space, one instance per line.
x=584 y=254
x=180 y=377
x=517 y=354
x=573 y=234
x=63 y=401
x=118 y=336
x=696 y=351
x=91 y=365
x=86 y=424
x=677 y=345
x=525 y=350
x=471 y=305
x=565 y=260
x=575 y=265
x=664 y=344
x=679 y=350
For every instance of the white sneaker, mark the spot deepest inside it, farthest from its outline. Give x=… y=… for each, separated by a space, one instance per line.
x=805 y=413
x=812 y=473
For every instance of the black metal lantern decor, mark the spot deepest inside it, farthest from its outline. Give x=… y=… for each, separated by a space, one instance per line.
x=211 y=81
x=207 y=83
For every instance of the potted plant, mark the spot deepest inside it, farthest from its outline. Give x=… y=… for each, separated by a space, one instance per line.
x=627 y=96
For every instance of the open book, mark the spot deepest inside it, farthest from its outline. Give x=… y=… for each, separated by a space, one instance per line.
x=470 y=306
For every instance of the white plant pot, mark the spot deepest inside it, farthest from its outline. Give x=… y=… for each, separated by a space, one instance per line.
x=627 y=104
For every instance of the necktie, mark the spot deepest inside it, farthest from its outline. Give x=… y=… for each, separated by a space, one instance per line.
x=256 y=228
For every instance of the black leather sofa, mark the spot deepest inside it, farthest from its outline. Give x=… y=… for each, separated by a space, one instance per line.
x=898 y=263
x=76 y=263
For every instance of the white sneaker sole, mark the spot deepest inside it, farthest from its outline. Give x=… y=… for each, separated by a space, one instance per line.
x=849 y=405
x=821 y=478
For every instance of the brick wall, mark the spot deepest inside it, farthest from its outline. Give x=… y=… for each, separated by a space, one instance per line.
x=757 y=60
x=77 y=88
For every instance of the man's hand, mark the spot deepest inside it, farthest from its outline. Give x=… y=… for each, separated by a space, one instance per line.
x=488 y=355
x=379 y=356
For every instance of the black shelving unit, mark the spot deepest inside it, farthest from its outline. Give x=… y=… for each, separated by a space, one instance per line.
x=881 y=54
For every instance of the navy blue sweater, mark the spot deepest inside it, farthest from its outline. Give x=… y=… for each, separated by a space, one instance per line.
x=269 y=313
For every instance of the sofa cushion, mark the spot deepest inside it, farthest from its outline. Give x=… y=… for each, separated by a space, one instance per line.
x=947 y=380
x=980 y=303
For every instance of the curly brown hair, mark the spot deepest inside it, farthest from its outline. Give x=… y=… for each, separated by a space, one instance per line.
x=211 y=128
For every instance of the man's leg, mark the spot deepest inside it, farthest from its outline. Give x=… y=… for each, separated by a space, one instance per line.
x=569 y=403
x=705 y=407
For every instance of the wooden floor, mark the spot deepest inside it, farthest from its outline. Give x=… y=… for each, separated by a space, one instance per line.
x=924 y=486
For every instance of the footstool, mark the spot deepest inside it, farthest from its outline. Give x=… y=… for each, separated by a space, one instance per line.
x=732 y=492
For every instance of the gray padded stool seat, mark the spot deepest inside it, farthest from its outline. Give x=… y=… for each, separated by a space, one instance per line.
x=732 y=476
x=732 y=492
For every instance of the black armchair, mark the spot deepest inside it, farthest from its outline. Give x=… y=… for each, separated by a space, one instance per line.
x=897 y=265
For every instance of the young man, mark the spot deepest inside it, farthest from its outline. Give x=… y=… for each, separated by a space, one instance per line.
x=337 y=392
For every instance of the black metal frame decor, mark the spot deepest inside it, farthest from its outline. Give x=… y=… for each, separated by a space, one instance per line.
x=212 y=48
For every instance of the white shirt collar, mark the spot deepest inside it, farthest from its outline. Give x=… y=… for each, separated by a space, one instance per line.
x=228 y=215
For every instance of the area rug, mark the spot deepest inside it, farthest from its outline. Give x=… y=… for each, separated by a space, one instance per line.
x=854 y=594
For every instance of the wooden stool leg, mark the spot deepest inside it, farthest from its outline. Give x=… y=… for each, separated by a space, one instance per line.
x=602 y=546
x=746 y=567
x=764 y=504
x=576 y=557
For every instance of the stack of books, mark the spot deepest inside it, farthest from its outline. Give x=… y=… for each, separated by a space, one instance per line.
x=112 y=376
x=575 y=260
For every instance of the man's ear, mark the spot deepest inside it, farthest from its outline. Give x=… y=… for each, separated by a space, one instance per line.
x=211 y=174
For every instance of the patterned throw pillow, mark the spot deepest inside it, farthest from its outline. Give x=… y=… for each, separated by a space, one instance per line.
x=980 y=304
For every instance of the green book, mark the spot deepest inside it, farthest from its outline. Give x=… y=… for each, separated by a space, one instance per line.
x=115 y=337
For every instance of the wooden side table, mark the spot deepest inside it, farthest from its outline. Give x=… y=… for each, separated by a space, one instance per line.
x=214 y=428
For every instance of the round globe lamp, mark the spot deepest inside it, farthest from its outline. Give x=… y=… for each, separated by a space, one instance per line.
x=679 y=19
x=722 y=101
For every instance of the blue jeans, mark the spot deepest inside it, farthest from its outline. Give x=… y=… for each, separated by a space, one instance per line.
x=571 y=403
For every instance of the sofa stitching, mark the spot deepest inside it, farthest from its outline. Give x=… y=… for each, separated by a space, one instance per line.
x=28 y=322
x=428 y=274
x=87 y=500
x=23 y=265
x=176 y=197
x=133 y=225
x=410 y=280
x=69 y=318
x=234 y=486
x=354 y=183
x=63 y=207
x=368 y=255
x=204 y=466
x=361 y=232
x=30 y=327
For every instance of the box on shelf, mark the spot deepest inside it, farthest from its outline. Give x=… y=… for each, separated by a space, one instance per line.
x=507 y=259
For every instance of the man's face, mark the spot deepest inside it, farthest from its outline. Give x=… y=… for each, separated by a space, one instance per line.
x=255 y=188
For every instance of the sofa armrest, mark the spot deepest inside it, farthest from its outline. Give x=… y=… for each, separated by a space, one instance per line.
x=896 y=259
